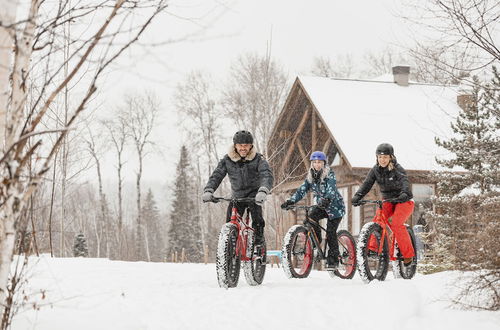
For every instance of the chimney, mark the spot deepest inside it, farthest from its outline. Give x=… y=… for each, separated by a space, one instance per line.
x=401 y=74
x=465 y=101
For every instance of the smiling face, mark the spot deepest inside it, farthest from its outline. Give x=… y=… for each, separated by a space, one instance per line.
x=317 y=164
x=383 y=160
x=243 y=149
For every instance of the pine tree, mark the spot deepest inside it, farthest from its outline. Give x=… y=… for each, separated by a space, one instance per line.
x=80 y=247
x=153 y=228
x=467 y=208
x=185 y=230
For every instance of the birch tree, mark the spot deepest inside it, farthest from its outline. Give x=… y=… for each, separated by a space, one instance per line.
x=36 y=71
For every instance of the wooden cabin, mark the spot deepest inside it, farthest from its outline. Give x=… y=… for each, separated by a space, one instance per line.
x=347 y=119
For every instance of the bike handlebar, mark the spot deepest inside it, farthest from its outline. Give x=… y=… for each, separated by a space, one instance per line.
x=303 y=207
x=378 y=202
x=232 y=199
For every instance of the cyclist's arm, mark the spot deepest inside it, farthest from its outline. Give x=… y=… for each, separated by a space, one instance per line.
x=265 y=174
x=367 y=184
x=403 y=177
x=217 y=176
x=301 y=192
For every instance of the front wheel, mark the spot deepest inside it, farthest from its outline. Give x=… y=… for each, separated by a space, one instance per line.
x=297 y=253
x=398 y=267
x=227 y=262
x=371 y=264
x=254 y=268
x=347 y=256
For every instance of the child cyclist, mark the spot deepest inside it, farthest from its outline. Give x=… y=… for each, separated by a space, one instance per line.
x=395 y=188
x=321 y=180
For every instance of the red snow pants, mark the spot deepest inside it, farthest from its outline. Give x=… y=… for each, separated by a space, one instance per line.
x=400 y=212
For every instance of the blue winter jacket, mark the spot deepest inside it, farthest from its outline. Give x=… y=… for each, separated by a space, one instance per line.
x=326 y=188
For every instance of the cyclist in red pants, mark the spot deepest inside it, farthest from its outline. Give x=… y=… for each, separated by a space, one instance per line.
x=395 y=187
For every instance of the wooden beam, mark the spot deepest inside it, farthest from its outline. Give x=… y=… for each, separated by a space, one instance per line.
x=313 y=130
x=299 y=130
x=326 y=146
x=302 y=153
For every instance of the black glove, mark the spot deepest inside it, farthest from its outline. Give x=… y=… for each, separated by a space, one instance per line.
x=355 y=200
x=207 y=196
x=403 y=197
x=324 y=203
x=286 y=204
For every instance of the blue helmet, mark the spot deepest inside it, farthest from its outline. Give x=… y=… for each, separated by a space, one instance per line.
x=318 y=155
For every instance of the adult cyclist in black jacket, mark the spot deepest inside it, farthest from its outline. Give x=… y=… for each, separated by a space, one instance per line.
x=250 y=176
x=395 y=187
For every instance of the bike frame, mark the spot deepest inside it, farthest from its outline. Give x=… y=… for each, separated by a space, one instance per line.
x=309 y=224
x=243 y=225
x=387 y=234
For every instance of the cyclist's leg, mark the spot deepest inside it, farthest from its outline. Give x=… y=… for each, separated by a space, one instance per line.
x=257 y=222
x=401 y=213
x=387 y=210
x=331 y=238
x=240 y=208
x=317 y=214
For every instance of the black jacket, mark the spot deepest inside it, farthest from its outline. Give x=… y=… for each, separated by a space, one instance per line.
x=391 y=183
x=246 y=175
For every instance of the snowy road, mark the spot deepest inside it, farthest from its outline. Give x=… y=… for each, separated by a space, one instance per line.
x=102 y=294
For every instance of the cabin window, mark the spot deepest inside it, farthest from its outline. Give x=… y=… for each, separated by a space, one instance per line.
x=422 y=194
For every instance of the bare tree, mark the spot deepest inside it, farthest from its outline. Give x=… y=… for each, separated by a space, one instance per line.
x=457 y=37
x=117 y=132
x=341 y=67
x=36 y=59
x=94 y=148
x=140 y=113
x=255 y=95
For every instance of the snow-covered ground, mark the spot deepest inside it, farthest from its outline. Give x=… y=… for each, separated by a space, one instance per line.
x=101 y=294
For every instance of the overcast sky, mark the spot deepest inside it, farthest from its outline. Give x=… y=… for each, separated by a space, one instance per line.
x=210 y=34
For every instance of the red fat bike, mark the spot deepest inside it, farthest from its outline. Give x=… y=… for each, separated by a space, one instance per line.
x=237 y=248
x=377 y=245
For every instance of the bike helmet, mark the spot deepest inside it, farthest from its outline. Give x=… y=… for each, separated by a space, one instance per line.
x=318 y=155
x=243 y=137
x=384 y=149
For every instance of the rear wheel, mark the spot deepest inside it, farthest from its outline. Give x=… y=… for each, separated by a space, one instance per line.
x=255 y=268
x=297 y=253
x=347 y=256
x=371 y=265
x=398 y=267
x=227 y=262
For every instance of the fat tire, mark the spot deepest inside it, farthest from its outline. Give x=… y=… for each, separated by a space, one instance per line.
x=347 y=257
x=255 y=268
x=399 y=270
x=287 y=253
x=369 y=229
x=227 y=262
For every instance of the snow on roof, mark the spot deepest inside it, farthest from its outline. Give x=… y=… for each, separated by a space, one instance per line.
x=362 y=114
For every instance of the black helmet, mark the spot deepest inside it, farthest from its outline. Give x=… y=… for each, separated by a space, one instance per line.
x=384 y=149
x=243 y=137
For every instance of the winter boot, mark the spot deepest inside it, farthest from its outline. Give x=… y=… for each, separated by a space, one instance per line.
x=332 y=263
x=407 y=261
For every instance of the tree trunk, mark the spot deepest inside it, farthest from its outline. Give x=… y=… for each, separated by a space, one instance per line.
x=7 y=16
x=140 y=235
x=11 y=208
